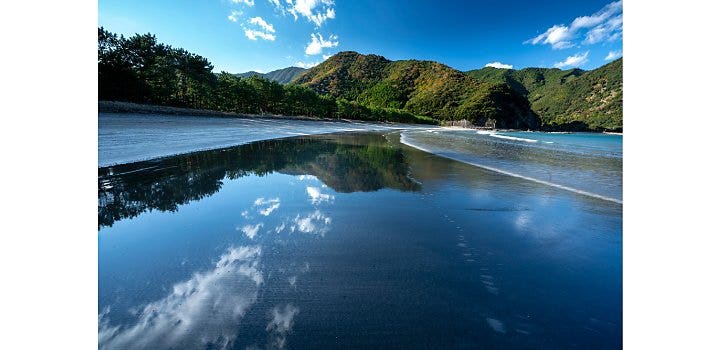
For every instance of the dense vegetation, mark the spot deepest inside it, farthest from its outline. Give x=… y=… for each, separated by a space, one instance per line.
x=282 y=76
x=139 y=69
x=366 y=87
x=419 y=87
x=567 y=99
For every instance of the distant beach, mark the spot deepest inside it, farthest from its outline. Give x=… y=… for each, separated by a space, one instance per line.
x=126 y=137
x=130 y=107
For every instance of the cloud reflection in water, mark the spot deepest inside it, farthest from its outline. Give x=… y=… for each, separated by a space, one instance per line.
x=250 y=230
x=201 y=312
x=281 y=322
x=271 y=205
x=317 y=197
x=315 y=223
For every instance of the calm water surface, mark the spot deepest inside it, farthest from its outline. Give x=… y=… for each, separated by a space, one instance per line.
x=351 y=241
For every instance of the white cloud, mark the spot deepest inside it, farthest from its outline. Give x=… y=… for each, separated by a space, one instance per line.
x=573 y=61
x=598 y=17
x=317 y=197
x=316 y=11
x=523 y=220
x=282 y=319
x=274 y=203
x=246 y=2
x=265 y=33
x=234 y=15
x=281 y=322
x=326 y=57
x=608 y=31
x=496 y=325
x=280 y=228
x=259 y=201
x=267 y=211
x=499 y=65
x=315 y=222
x=251 y=230
x=558 y=36
x=261 y=22
x=278 y=6
x=255 y=34
x=201 y=311
x=306 y=64
x=317 y=43
x=613 y=55
x=605 y=24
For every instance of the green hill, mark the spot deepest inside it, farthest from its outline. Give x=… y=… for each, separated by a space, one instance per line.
x=420 y=87
x=350 y=85
x=567 y=99
x=282 y=76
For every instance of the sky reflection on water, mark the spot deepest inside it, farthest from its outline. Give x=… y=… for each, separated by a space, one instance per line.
x=353 y=241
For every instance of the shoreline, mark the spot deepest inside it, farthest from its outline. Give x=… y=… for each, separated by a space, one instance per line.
x=139 y=108
x=490 y=130
x=404 y=141
x=128 y=138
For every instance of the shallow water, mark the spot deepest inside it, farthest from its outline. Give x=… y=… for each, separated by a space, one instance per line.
x=590 y=164
x=350 y=241
x=126 y=138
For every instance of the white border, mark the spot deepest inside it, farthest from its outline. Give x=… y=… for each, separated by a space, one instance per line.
x=48 y=248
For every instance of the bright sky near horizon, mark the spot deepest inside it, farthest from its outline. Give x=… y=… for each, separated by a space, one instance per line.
x=264 y=35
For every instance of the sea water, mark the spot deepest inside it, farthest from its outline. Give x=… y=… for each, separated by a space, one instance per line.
x=356 y=240
x=585 y=163
x=131 y=137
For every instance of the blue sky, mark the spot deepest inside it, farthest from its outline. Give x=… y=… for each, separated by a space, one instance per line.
x=263 y=35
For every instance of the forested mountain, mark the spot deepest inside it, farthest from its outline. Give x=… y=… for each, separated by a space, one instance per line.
x=367 y=87
x=282 y=76
x=419 y=87
x=567 y=99
x=139 y=69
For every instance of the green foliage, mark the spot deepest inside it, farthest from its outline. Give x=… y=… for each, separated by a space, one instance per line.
x=384 y=94
x=139 y=69
x=354 y=110
x=367 y=87
x=282 y=76
x=594 y=98
x=419 y=88
x=345 y=75
x=567 y=99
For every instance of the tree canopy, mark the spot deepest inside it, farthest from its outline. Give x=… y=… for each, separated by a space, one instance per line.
x=139 y=69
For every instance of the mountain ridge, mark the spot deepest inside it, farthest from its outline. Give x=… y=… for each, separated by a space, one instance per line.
x=282 y=75
x=420 y=87
x=572 y=99
x=563 y=100
x=349 y=85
